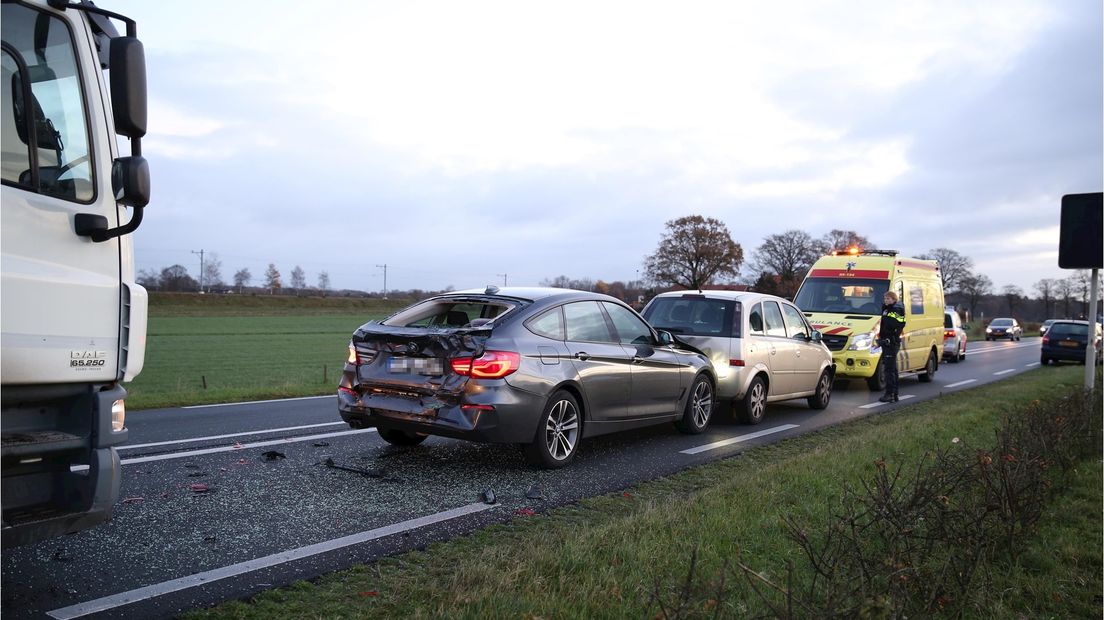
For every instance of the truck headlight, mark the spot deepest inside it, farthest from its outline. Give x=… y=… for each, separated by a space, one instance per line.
x=861 y=342
x=118 y=416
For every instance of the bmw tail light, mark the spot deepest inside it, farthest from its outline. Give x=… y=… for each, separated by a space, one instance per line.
x=490 y=365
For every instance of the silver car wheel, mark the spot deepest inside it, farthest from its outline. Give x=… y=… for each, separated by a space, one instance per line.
x=562 y=430
x=758 y=400
x=702 y=403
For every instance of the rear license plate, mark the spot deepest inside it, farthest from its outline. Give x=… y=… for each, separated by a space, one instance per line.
x=1070 y=343
x=416 y=365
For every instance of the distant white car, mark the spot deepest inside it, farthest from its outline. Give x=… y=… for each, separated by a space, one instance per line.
x=1004 y=328
x=1046 y=326
x=954 y=337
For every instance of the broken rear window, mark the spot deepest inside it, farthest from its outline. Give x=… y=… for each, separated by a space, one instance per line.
x=450 y=313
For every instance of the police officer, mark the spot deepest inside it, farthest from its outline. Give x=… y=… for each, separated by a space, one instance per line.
x=889 y=337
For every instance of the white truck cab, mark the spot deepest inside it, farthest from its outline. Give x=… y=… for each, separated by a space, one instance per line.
x=72 y=318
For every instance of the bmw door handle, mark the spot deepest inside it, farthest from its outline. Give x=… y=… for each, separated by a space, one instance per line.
x=582 y=355
x=637 y=359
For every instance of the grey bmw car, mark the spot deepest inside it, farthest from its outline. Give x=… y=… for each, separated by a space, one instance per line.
x=540 y=367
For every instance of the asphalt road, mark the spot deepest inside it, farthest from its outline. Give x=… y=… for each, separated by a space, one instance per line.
x=270 y=510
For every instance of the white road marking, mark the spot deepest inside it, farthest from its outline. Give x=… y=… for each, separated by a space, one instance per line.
x=990 y=349
x=175 y=585
x=952 y=385
x=732 y=440
x=1032 y=364
x=255 y=402
x=879 y=404
x=210 y=437
x=244 y=446
x=1004 y=372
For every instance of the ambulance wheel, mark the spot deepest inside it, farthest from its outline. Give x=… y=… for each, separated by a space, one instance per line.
x=876 y=383
x=929 y=369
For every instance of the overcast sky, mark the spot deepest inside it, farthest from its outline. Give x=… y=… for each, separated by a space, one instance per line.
x=457 y=141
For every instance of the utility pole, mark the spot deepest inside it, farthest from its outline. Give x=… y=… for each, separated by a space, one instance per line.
x=384 y=267
x=503 y=278
x=200 y=269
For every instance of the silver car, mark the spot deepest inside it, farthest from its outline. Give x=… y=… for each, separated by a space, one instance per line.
x=762 y=348
x=541 y=367
x=954 y=337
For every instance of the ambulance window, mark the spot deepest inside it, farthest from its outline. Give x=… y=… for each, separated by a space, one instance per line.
x=916 y=299
x=755 y=320
x=775 y=326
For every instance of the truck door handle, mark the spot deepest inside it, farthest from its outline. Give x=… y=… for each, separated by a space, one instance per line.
x=582 y=355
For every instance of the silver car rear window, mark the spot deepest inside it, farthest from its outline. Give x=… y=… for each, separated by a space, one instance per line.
x=695 y=315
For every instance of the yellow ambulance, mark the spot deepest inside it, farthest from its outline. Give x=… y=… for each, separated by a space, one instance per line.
x=842 y=298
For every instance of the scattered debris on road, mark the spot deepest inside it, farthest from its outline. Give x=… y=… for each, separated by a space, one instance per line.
x=134 y=500
x=534 y=492
x=273 y=455
x=488 y=497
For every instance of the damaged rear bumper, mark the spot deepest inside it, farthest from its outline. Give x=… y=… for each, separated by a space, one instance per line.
x=495 y=413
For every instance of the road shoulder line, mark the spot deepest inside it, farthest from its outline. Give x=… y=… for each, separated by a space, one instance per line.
x=732 y=440
x=183 y=583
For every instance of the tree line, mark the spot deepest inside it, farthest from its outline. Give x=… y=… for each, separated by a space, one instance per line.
x=176 y=278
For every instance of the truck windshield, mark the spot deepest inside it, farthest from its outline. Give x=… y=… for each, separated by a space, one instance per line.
x=42 y=58
x=842 y=295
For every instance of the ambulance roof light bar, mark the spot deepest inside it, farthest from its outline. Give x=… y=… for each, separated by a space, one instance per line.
x=855 y=251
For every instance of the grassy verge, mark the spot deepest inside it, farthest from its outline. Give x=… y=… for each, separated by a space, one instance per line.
x=221 y=348
x=619 y=555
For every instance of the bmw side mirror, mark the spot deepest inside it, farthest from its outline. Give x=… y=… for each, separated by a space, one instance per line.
x=664 y=338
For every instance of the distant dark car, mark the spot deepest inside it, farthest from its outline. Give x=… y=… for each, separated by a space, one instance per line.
x=1066 y=340
x=541 y=367
x=1004 y=328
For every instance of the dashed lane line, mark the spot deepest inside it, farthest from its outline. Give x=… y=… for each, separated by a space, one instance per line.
x=1004 y=372
x=211 y=437
x=960 y=383
x=183 y=583
x=879 y=404
x=1033 y=364
x=732 y=440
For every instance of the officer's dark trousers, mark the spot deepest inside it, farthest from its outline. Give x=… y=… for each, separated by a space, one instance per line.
x=889 y=366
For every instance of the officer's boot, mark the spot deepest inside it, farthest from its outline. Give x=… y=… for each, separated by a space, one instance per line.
x=888 y=397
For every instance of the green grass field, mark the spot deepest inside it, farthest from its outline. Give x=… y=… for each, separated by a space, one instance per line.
x=246 y=348
x=608 y=557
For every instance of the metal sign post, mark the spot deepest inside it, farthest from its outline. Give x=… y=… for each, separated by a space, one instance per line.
x=1090 y=351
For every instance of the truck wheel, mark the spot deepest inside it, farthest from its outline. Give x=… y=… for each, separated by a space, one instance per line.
x=929 y=369
x=876 y=383
x=823 y=392
x=558 y=432
x=754 y=406
x=699 y=407
x=396 y=437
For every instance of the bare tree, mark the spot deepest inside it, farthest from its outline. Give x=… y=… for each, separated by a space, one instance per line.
x=1046 y=289
x=788 y=256
x=242 y=277
x=212 y=271
x=176 y=278
x=953 y=267
x=1064 y=290
x=1012 y=294
x=693 y=252
x=841 y=239
x=272 y=278
x=323 y=282
x=298 y=279
x=149 y=279
x=975 y=286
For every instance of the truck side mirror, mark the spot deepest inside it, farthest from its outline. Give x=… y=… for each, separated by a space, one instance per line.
x=130 y=180
x=128 y=86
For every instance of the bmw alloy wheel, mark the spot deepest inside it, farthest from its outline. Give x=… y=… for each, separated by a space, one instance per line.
x=562 y=430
